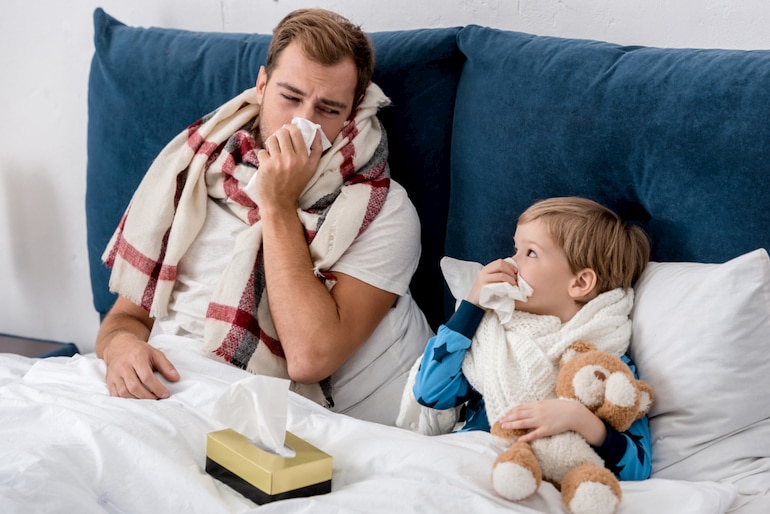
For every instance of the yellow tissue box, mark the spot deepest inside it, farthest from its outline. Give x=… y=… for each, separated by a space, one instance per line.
x=262 y=476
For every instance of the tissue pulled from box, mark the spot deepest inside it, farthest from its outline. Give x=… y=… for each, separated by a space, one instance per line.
x=256 y=407
x=309 y=129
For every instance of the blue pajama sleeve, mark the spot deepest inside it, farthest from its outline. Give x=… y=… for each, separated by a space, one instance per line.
x=628 y=454
x=440 y=383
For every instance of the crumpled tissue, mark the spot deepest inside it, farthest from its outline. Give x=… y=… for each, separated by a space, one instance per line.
x=256 y=407
x=308 y=129
x=500 y=296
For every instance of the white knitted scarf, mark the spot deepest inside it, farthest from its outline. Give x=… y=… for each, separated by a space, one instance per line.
x=519 y=362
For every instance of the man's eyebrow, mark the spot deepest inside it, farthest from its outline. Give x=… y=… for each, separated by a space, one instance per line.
x=325 y=101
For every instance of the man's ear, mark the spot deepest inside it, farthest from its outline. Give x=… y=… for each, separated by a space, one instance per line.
x=583 y=284
x=261 y=83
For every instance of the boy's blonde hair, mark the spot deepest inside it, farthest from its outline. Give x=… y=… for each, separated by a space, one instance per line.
x=592 y=236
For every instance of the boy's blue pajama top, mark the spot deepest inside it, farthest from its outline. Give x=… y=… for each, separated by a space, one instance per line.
x=440 y=384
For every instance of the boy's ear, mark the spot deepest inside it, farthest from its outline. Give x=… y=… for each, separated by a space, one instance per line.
x=583 y=285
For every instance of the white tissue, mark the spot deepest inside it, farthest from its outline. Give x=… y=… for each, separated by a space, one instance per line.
x=501 y=297
x=308 y=129
x=256 y=407
x=459 y=276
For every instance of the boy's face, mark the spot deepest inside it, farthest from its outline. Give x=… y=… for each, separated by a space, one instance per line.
x=300 y=87
x=543 y=265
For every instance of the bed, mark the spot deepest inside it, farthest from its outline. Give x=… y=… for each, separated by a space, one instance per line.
x=68 y=446
x=675 y=139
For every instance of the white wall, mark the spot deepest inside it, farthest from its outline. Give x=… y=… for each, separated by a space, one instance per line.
x=45 y=50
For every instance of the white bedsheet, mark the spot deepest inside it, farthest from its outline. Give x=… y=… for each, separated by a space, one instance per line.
x=67 y=446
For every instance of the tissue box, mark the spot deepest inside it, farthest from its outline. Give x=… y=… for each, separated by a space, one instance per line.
x=262 y=476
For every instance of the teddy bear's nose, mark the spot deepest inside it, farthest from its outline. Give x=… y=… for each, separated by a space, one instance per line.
x=600 y=375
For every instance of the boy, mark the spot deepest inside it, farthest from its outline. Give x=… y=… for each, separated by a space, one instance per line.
x=579 y=260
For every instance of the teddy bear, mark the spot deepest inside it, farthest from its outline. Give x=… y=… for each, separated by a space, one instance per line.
x=603 y=383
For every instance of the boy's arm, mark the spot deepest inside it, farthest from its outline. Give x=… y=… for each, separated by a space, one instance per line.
x=439 y=383
x=628 y=454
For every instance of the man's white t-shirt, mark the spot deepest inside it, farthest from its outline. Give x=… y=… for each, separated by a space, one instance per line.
x=370 y=384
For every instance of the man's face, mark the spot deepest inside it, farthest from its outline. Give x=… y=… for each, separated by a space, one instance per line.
x=300 y=87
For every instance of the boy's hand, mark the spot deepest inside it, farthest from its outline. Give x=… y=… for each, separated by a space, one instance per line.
x=496 y=271
x=554 y=416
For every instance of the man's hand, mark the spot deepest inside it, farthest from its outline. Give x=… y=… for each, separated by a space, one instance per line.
x=285 y=168
x=131 y=360
x=131 y=366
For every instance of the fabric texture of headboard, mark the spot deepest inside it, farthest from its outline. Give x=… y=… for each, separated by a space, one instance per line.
x=672 y=139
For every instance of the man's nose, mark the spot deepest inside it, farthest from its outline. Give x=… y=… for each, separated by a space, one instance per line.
x=307 y=111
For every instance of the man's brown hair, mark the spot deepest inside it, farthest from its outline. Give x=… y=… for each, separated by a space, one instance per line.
x=327 y=38
x=595 y=237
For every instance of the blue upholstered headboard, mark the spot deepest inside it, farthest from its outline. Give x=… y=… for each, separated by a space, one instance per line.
x=677 y=140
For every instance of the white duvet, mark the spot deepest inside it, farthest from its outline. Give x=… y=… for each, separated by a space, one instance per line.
x=67 y=446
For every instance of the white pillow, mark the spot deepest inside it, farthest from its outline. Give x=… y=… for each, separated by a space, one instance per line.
x=701 y=339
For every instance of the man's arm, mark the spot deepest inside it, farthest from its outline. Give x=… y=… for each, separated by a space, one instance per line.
x=319 y=329
x=131 y=361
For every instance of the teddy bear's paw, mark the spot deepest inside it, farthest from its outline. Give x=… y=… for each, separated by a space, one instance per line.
x=513 y=481
x=646 y=397
x=593 y=498
x=506 y=435
x=590 y=489
x=516 y=473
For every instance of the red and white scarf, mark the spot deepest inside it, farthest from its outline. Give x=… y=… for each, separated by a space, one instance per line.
x=216 y=157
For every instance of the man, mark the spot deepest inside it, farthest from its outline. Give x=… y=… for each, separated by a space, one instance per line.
x=237 y=209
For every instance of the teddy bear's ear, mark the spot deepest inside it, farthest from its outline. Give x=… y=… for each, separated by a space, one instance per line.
x=574 y=349
x=645 y=398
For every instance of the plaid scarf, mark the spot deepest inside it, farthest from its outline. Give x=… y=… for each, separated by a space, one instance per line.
x=216 y=157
